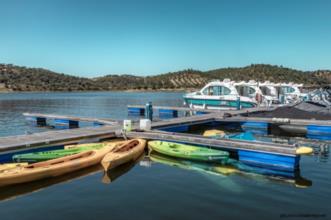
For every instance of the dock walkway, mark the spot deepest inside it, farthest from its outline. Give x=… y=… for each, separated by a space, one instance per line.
x=50 y=138
x=186 y=109
x=282 y=149
x=71 y=118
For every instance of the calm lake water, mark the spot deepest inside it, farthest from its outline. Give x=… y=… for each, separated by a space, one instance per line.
x=154 y=190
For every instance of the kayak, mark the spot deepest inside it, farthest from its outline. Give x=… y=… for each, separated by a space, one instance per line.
x=123 y=153
x=49 y=155
x=111 y=175
x=188 y=152
x=52 y=168
x=245 y=136
x=213 y=133
x=7 y=166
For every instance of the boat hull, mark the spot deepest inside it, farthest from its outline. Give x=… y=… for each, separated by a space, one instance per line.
x=225 y=104
x=68 y=150
x=189 y=152
x=52 y=168
x=124 y=153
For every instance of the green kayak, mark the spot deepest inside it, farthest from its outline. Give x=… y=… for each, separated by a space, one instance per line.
x=49 y=155
x=188 y=152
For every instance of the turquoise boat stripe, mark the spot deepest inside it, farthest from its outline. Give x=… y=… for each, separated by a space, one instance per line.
x=216 y=103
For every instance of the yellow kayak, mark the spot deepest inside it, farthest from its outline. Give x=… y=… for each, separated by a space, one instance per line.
x=7 y=166
x=52 y=168
x=123 y=153
x=213 y=132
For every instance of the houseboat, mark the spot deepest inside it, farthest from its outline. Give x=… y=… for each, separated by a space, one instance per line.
x=221 y=95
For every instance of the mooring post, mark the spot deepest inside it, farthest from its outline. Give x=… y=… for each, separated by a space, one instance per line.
x=149 y=111
x=238 y=103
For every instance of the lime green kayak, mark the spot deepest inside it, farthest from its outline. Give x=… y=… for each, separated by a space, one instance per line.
x=188 y=152
x=49 y=155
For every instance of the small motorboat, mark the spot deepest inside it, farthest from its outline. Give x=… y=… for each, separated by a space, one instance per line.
x=123 y=153
x=52 y=168
x=188 y=152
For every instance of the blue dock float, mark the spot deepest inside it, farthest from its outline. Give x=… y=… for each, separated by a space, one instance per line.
x=65 y=124
x=255 y=127
x=177 y=128
x=319 y=132
x=98 y=124
x=201 y=113
x=37 y=121
x=168 y=113
x=136 y=111
x=268 y=160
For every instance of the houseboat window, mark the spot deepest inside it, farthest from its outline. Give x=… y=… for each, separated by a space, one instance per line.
x=287 y=89
x=265 y=90
x=245 y=90
x=251 y=91
x=216 y=90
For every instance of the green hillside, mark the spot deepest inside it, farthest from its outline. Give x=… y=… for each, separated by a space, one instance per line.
x=18 y=78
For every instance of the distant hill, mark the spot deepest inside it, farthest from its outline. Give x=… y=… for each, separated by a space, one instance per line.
x=18 y=78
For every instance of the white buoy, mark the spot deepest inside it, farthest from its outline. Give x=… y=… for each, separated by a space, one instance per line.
x=145 y=124
x=127 y=125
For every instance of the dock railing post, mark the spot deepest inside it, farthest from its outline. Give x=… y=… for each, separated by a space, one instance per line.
x=149 y=111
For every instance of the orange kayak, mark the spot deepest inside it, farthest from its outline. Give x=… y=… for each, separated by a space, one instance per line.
x=126 y=152
x=52 y=168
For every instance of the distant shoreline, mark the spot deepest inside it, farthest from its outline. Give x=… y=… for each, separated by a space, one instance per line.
x=22 y=79
x=85 y=91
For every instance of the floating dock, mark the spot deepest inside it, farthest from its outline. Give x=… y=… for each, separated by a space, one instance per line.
x=140 y=110
x=53 y=138
x=263 y=154
x=64 y=120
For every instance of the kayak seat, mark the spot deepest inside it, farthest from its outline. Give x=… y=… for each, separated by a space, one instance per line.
x=128 y=147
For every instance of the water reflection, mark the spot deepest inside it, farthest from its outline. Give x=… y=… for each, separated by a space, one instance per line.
x=12 y=192
x=112 y=174
x=234 y=167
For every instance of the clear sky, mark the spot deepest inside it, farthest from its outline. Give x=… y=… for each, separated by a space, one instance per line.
x=143 y=37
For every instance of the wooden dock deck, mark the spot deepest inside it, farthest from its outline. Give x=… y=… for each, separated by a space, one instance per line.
x=112 y=128
x=71 y=118
x=191 y=120
x=282 y=149
x=50 y=138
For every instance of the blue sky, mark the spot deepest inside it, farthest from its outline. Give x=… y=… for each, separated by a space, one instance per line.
x=95 y=37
